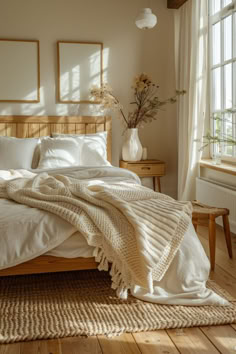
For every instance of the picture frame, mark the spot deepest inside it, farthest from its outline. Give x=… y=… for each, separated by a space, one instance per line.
x=80 y=66
x=19 y=70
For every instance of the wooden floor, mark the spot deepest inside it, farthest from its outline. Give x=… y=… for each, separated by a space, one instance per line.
x=202 y=340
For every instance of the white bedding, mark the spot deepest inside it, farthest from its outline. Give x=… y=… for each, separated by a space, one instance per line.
x=29 y=236
x=74 y=246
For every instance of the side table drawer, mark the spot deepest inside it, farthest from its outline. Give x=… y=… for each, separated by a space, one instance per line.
x=147 y=169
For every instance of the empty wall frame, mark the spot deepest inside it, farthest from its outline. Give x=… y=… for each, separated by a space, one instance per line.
x=19 y=71
x=79 y=67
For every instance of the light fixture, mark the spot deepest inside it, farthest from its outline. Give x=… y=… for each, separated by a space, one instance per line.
x=146 y=19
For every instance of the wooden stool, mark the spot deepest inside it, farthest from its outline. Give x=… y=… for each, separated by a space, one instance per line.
x=205 y=215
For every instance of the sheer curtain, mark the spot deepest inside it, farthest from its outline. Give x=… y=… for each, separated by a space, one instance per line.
x=191 y=32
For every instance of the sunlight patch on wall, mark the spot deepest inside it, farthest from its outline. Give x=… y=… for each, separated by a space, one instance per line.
x=32 y=108
x=75 y=82
x=63 y=109
x=95 y=69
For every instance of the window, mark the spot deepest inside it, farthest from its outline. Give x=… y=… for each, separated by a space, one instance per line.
x=222 y=47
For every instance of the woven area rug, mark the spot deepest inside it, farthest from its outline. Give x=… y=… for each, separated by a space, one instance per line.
x=82 y=303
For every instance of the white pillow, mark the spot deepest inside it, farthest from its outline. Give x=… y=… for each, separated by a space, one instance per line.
x=16 y=153
x=94 y=148
x=59 y=152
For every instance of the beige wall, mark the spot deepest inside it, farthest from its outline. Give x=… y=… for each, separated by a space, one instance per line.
x=128 y=50
x=161 y=136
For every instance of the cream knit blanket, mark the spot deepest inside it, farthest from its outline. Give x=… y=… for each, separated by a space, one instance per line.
x=137 y=230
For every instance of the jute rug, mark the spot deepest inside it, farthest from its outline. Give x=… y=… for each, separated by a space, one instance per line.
x=82 y=303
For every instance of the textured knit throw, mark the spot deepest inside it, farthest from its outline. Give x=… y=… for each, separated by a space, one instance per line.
x=139 y=231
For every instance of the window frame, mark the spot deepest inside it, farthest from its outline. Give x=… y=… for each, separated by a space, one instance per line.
x=226 y=11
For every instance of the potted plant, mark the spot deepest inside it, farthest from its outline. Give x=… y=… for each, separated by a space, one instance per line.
x=218 y=139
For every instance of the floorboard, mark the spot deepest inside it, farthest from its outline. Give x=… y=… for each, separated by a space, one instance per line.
x=224 y=279
x=50 y=347
x=10 y=348
x=77 y=345
x=191 y=341
x=30 y=347
x=156 y=342
x=204 y=340
x=124 y=344
x=220 y=238
x=223 y=337
x=41 y=347
x=222 y=258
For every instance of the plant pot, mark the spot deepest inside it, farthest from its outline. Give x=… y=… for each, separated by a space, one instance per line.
x=132 y=148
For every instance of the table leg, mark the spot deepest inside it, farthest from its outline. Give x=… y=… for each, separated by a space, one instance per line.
x=154 y=183
x=159 y=184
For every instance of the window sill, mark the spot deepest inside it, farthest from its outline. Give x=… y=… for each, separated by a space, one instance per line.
x=223 y=167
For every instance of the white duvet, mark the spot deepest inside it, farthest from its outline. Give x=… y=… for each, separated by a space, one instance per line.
x=26 y=233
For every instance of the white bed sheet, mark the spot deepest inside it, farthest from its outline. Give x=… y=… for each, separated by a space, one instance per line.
x=30 y=230
x=26 y=233
x=73 y=247
x=185 y=280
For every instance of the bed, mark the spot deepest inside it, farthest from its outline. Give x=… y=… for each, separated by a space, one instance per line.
x=32 y=126
x=176 y=273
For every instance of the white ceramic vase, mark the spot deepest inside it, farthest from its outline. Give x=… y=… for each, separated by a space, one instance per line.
x=132 y=149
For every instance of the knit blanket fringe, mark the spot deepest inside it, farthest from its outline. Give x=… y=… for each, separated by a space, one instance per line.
x=118 y=283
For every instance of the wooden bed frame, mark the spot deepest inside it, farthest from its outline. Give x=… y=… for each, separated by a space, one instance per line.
x=38 y=126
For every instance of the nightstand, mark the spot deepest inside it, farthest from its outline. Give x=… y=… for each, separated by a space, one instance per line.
x=147 y=168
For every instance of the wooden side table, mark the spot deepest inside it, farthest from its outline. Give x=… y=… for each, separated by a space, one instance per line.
x=147 y=168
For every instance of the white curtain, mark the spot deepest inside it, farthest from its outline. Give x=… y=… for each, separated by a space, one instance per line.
x=191 y=32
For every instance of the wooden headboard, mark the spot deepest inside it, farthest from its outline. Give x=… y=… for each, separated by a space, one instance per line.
x=38 y=126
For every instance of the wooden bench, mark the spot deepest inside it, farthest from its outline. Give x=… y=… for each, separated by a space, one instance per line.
x=205 y=215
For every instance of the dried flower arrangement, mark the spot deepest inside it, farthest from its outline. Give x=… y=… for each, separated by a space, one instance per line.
x=147 y=103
